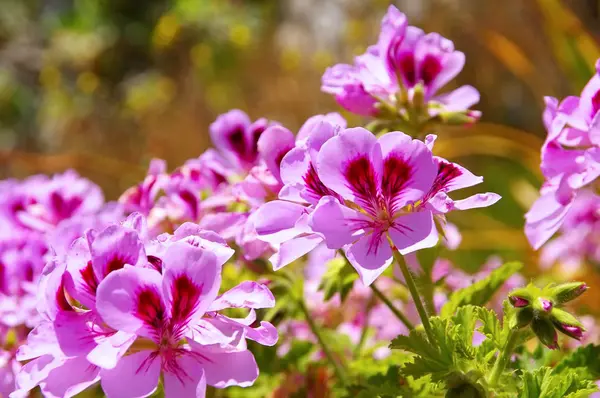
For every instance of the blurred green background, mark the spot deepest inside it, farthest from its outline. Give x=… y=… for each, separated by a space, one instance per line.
x=103 y=86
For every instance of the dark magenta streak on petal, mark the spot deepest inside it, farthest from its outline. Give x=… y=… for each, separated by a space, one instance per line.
x=156 y=263
x=185 y=298
x=396 y=173
x=61 y=299
x=595 y=103
x=192 y=202
x=145 y=365
x=236 y=140
x=430 y=69
x=406 y=66
x=314 y=185
x=88 y=276
x=446 y=173
x=149 y=307
x=115 y=263
x=255 y=137
x=361 y=179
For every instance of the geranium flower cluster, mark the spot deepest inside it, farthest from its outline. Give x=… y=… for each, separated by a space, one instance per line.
x=398 y=79
x=39 y=217
x=120 y=306
x=571 y=166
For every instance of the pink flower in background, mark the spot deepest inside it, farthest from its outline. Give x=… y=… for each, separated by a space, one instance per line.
x=236 y=139
x=40 y=203
x=122 y=305
x=570 y=159
x=577 y=242
x=284 y=223
x=403 y=58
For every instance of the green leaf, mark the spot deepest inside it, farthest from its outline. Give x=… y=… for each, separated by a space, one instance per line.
x=482 y=291
x=339 y=278
x=586 y=359
x=547 y=383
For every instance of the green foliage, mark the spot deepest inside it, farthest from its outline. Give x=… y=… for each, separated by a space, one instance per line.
x=339 y=278
x=452 y=360
x=482 y=291
x=550 y=383
x=381 y=378
x=586 y=360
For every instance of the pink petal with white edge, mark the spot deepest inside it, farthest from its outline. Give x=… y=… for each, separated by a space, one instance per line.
x=135 y=375
x=275 y=221
x=247 y=294
x=80 y=280
x=191 y=281
x=40 y=341
x=414 y=231
x=341 y=152
x=370 y=256
x=294 y=166
x=196 y=236
x=338 y=224
x=35 y=372
x=477 y=201
x=193 y=386
x=130 y=300
x=294 y=249
x=113 y=248
x=460 y=99
x=224 y=369
x=408 y=168
x=273 y=144
x=110 y=350
x=544 y=218
x=68 y=380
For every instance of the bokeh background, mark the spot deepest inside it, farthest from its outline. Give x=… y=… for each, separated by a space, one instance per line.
x=103 y=86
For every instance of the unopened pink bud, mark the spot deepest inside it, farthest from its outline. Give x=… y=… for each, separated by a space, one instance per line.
x=546 y=304
x=518 y=302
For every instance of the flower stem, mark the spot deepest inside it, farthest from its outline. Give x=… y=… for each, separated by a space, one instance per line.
x=339 y=371
x=365 y=329
x=412 y=287
x=504 y=357
x=391 y=306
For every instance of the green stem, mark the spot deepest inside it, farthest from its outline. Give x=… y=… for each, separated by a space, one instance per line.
x=365 y=329
x=339 y=371
x=504 y=357
x=391 y=306
x=412 y=287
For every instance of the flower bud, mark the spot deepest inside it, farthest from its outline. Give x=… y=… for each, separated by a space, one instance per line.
x=567 y=323
x=575 y=332
x=520 y=297
x=523 y=317
x=566 y=292
x=518 y=302
x=544 y=330
x=458 y=118
x=543 y=305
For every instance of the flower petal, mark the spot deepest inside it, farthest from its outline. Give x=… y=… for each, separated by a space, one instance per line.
x=191 y=281
x=247 y=294
x=130 y=300
x=193 y=386
x=135 y=375
x=414 y=231
x=338 y=224
x=350 y=164
x=370 y=256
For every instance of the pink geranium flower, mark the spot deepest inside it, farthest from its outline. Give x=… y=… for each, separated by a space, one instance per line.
x=123 y=305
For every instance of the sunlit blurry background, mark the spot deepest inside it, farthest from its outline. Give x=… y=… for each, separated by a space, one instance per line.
x=103 y=86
